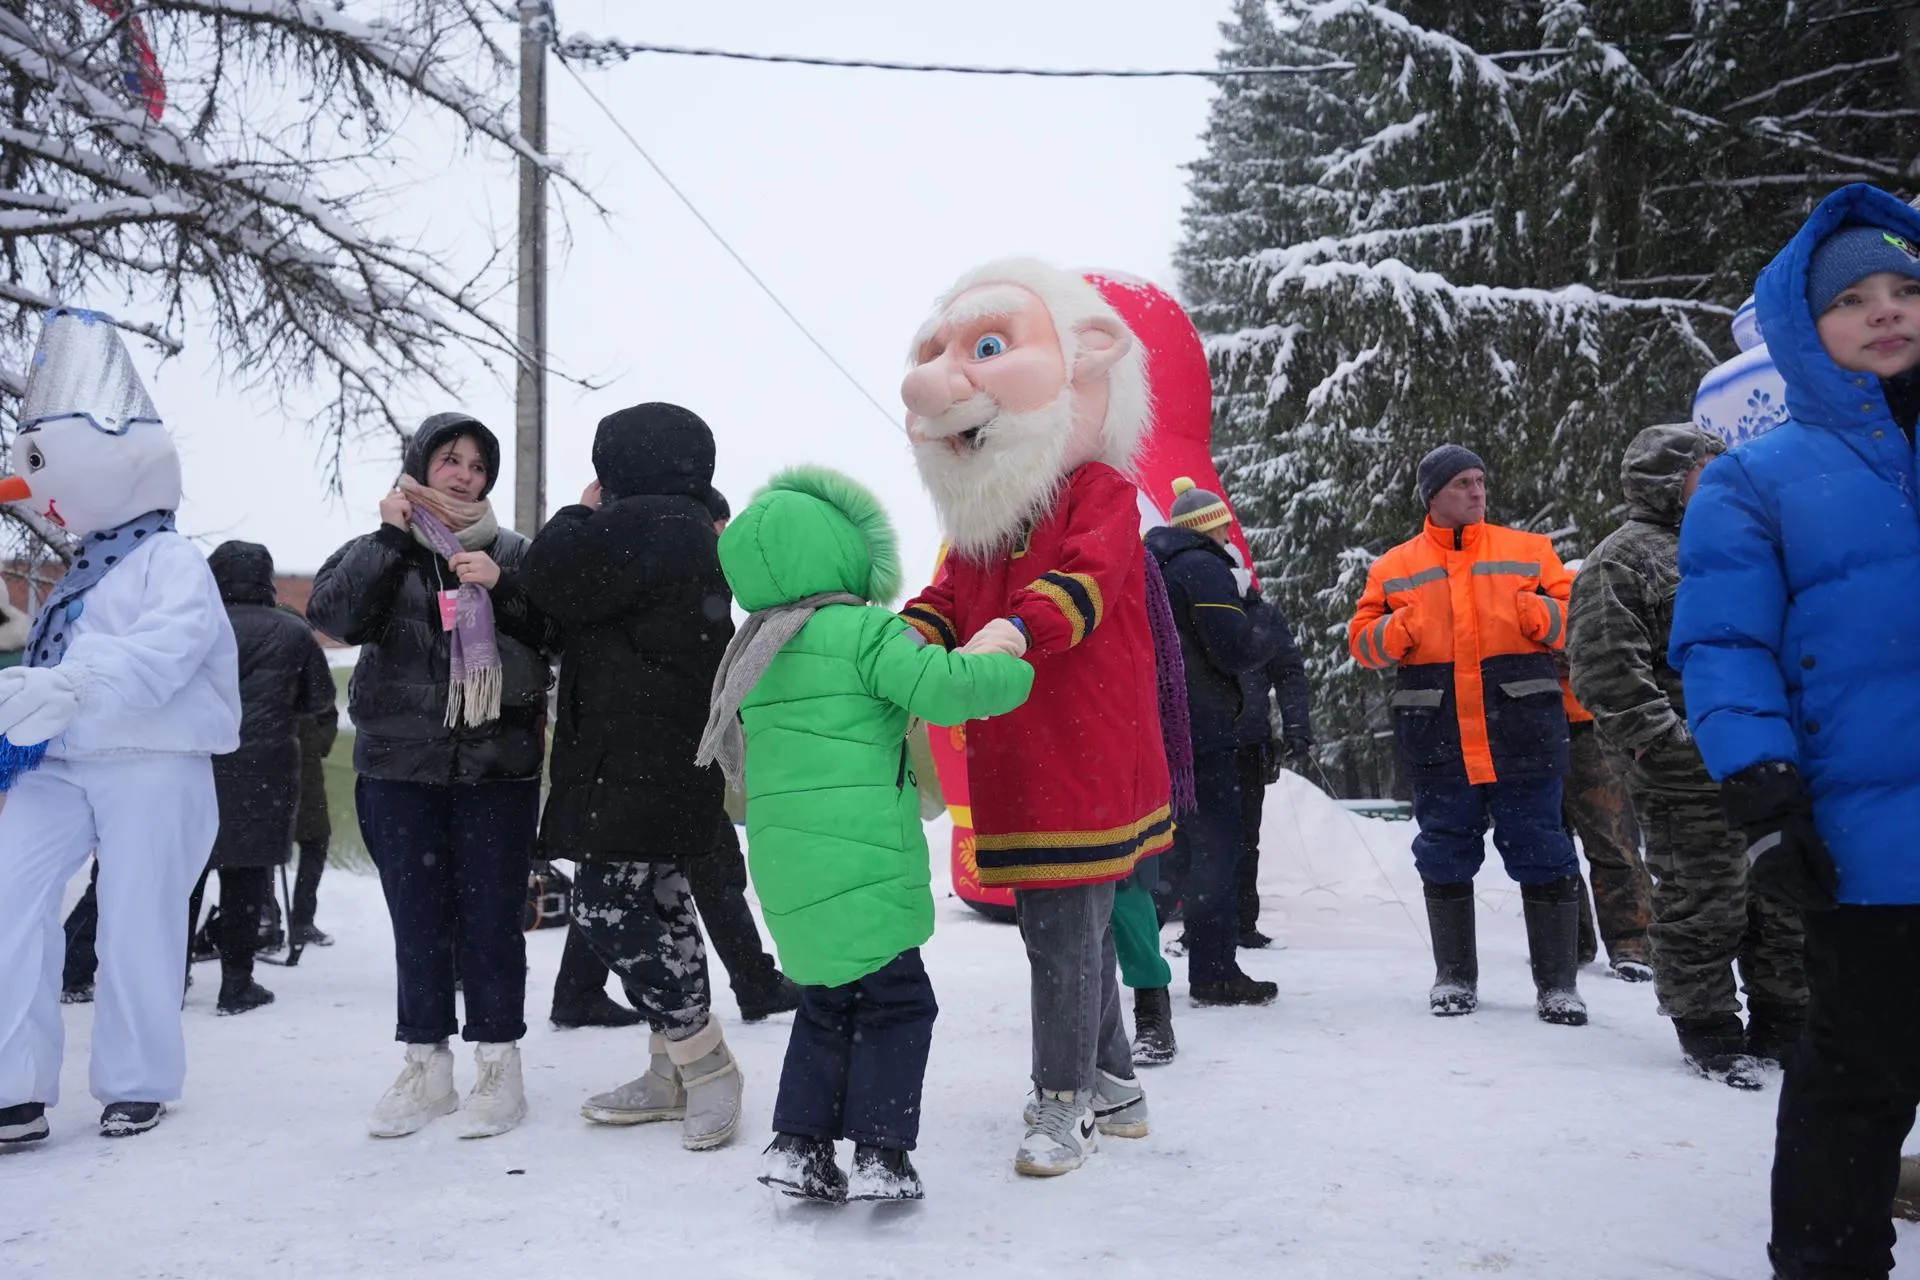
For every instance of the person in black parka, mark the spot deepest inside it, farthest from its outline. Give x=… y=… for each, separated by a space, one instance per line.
x=719 y=883
x=448 y=811
x=632 y=573
x=283 y=682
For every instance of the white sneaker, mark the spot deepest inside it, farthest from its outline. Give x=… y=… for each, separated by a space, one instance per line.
x=1119 y=1107
x=1063 y=1134
x=657 y=1095
x=499 y=1098
x=714 y=1086
x=423 y=1093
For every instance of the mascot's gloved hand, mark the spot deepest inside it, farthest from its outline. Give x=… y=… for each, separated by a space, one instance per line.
x=36 y=704
x=998 y=636
x=1789 y=861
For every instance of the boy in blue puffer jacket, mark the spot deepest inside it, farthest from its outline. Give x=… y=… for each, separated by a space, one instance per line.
x=1797 y=630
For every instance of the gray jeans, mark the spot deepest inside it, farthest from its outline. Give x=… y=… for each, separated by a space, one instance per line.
x=1076 y=993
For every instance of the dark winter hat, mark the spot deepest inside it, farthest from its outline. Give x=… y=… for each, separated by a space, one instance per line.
x=1442 y=465
x=718 y=507
x=1853 y=253
x=654 y=448
x=1196 y=509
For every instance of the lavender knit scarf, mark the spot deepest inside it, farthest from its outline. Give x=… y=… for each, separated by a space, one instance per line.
x=473 y=666
x=1176 y=727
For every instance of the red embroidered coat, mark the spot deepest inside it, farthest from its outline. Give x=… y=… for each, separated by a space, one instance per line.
x=1070 y=788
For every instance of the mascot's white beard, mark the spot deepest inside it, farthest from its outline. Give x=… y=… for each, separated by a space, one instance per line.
x=988 y=494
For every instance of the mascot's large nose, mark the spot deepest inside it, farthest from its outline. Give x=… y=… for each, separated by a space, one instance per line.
x=933 y=388
x=14 y=489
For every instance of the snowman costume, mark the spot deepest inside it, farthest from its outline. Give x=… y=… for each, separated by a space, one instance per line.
x=128 y=688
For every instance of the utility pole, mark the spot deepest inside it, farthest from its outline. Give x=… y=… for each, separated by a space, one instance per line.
x=530 y=390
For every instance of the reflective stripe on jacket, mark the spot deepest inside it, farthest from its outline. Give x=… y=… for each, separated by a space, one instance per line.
x=1470 y=618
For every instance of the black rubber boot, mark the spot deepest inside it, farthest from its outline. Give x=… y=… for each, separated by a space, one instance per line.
x=1456 y=956
x=1153 y=1043
x=1553 y=940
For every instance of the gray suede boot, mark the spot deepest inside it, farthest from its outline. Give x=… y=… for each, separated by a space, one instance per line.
x=657 y=1095
x=713 y=1085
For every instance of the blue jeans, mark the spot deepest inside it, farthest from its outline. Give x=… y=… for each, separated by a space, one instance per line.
x=453 y=863
x=1528 y=829
x=858 y=1056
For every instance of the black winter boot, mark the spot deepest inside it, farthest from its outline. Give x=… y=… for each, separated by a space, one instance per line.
x=883 y=1173
x=595 y=1009
x=1773 y=1030
x=1553 y=939
x=1153 y=1043
x=239 y=993
x=1238 y=989
x=1716 y=1047
x=1456 y=957
x=803 y=1168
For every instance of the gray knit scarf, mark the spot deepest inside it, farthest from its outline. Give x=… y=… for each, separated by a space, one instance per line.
x=764 y=634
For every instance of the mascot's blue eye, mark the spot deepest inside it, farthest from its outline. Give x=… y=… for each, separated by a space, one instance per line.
x=989 y=347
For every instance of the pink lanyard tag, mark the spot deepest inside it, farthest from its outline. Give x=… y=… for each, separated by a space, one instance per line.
x=449 y=609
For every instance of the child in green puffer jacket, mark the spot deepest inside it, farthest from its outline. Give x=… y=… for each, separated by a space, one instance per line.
x=820 y=684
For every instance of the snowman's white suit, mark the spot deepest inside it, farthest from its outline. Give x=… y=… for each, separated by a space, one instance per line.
x=145 y=695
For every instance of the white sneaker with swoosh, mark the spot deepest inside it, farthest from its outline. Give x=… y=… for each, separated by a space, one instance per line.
x=1062 y=1134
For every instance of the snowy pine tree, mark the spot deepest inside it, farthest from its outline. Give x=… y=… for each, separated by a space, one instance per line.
x=1518 y=226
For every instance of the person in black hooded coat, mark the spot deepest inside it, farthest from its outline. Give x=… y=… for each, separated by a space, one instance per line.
x=632 y=573
x=283 y=682
x=448 y=811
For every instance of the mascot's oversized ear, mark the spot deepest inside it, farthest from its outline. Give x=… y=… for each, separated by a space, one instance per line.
x=1099 y=342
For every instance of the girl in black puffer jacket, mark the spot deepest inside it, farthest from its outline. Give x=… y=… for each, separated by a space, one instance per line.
x=448 y=703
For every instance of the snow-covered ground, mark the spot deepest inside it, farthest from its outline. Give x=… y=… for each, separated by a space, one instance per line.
x=1341 y=1132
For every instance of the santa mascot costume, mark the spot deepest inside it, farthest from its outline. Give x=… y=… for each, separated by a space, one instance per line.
x=1026 y=404
x=128 y=688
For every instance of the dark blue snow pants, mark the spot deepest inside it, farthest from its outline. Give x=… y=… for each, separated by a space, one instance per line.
x=858 y=1056
x=1528 y=829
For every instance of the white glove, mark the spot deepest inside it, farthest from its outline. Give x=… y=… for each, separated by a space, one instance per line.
x=36 y=704
x=998 y=636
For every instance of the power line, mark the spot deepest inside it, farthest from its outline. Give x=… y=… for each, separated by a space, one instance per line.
x=606 y=52
x=733 y=253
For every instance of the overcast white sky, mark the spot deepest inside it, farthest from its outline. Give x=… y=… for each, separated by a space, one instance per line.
x=858 y=195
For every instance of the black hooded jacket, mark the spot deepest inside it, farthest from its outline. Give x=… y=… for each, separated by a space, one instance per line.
x=284 y=683
x=380 y=592
x=636 y=584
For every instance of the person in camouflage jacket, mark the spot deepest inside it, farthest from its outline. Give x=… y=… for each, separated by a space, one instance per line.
x=1705 y=917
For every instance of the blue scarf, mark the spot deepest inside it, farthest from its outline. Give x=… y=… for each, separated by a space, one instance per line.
x=48 y=640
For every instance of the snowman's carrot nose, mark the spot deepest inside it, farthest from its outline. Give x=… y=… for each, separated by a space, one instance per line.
x=14 y=489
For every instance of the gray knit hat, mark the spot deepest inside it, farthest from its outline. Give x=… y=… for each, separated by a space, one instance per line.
x=1442 y=465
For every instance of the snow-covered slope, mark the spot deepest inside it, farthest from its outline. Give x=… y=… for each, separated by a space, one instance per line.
x=1340 y=1133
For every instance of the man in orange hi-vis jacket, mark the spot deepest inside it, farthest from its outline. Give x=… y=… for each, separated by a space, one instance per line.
x=1470 y=614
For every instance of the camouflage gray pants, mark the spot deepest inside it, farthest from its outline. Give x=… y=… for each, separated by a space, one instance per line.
x=1705 y=919
x=638 y=918
x=1600 y=810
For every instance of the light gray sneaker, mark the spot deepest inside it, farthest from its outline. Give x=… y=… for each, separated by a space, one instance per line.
x=1061 y=1137
x=714 y=1086
x=1119 y=1106
x=657 y=1095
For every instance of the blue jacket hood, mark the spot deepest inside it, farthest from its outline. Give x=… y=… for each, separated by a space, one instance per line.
x=1819 y=392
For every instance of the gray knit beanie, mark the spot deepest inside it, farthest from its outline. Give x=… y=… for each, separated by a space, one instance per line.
x=1442 y=465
